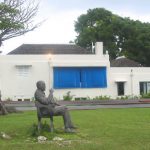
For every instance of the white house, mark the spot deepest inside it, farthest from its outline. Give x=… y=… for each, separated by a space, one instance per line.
x=68 y=68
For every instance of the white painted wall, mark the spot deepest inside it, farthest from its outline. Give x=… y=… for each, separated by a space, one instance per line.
x=16 y=87
x=132 y=76
x=41 y=68
x=114 y=75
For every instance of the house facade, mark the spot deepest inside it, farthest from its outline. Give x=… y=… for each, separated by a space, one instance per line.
x=68 y=68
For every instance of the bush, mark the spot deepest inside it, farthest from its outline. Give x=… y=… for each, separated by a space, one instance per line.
x=68 y=96
x=128 y=97
x=136 y=97
x=9 y=99
x=146 y=95
x=33 y=130
x=101 y=97
x=81 y=98
x=125 y=97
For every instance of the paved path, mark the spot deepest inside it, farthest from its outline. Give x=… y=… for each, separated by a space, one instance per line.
x=83 y=105
x=86 y=107
x=110 y=106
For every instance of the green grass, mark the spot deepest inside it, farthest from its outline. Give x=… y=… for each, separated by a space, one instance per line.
x=102 y=129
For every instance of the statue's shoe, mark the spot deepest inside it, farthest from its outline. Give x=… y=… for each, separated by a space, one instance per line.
x=73 y=127
x=68 y=130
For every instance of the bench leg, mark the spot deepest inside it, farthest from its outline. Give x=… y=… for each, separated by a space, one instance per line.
x=51 y=125
x=39 y=124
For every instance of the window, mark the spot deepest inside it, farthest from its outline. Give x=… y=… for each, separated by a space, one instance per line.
x=23 y=71
x=120 y=88
x=66 y=78
x=85 y=77
x=93 y=77
x=144 y=87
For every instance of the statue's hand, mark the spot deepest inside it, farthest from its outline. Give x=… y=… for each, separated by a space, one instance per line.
x=51 y=90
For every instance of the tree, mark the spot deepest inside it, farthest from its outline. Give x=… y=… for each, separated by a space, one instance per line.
x=16 y=18
x=121 y=36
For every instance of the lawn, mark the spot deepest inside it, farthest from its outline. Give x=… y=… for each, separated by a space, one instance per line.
x=101 y=129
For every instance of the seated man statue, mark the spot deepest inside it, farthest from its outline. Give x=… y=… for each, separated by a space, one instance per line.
x=54 y=108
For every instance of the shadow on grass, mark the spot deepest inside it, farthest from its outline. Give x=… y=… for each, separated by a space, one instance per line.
x=45 y=131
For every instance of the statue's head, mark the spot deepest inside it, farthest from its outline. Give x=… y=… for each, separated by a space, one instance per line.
x=41 y=85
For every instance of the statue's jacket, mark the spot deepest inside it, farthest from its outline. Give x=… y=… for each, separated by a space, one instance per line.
x=42 y=99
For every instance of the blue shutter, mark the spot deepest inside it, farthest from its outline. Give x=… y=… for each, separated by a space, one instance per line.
x=71 y=77
x=93 y=77
x=66 y=77
x=103 y=77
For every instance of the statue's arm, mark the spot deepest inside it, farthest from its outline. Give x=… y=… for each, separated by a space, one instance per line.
x=51 y=98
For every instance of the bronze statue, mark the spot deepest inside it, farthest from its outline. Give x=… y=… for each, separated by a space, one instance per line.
x=54 y=109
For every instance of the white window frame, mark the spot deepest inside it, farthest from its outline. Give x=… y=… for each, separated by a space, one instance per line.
x=23 y=70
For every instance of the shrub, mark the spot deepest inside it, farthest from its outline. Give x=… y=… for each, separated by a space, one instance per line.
x=137 y=97
x=33 y=130
x=128 y=97
x=80 y=98
x=9 y=99
x=89 y=98
x=125 y=97
x=101 y=97
x=147 y=95
x=68 y=96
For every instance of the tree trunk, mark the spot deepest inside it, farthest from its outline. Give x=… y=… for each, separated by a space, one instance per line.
x=3 y=110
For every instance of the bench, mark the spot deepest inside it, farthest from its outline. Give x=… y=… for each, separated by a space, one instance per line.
x=43 y=112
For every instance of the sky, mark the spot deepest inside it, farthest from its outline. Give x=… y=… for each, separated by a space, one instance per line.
x=60 y=16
